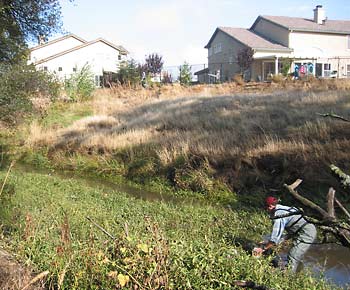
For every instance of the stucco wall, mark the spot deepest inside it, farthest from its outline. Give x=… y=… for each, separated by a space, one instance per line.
x=226 y=60
x=99 y=56
x=272 y=31
x=319 y=45
x=54 y=48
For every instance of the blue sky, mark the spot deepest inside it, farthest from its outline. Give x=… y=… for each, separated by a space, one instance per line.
x=178 y=30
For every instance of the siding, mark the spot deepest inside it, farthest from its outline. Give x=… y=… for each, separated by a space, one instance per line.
x=46 y=51
x=272 y=31
x=220 y=61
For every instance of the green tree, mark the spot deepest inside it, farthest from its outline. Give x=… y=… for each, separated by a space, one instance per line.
x=25 y=20
x=185 y=76
x=80 y=85
x=129 y=73
x=20 y=83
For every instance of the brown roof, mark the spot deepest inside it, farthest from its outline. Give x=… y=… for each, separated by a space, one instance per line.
x=250 y=39
x=305 y=24
x=117 y=47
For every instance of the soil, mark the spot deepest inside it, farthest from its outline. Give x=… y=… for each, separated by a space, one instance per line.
x=14 y=276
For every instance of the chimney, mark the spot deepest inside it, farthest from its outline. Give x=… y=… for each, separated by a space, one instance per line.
x=319 y=14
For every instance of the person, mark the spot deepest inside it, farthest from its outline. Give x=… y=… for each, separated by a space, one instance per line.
x=290 y=219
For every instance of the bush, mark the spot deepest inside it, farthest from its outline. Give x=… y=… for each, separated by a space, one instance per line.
x=19 y=84
x=80 y=85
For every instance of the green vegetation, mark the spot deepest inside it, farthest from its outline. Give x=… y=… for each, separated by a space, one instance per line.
x=185 y=76
x=171 y=245
x=21 y=86
x=80 y=85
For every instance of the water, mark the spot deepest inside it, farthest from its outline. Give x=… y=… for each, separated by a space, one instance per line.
x=331 y=261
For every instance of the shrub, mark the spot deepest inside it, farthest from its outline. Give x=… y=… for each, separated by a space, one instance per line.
x=80 y=85
x=19 y=84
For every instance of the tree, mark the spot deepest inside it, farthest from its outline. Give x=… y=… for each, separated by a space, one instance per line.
x=25 y=20
x=154 y=64
x=185 y=76
x=245 y=58
x=129 y=73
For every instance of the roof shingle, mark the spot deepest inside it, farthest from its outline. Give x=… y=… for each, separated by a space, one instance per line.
x=251 y=39
x=305 y=24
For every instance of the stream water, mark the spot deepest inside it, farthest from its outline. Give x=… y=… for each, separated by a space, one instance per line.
x=330 y=261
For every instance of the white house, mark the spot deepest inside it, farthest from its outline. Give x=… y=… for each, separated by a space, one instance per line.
x=69 y=53
x=317 y=46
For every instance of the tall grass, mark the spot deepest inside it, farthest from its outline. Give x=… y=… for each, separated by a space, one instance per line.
x=233 y=129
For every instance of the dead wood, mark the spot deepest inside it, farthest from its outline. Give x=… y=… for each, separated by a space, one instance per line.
x=328 y=222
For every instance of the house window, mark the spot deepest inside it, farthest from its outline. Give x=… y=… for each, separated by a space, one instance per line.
x=97 y=81
x=45 y=68
x=60 y=68
x=119 y=57
x=326 y=69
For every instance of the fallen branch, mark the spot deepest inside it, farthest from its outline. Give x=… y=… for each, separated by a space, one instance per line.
x=331 y=115
x=344 y=178
x=305 y=201
x=7 y=175
x=101 y=228
x=36 y=279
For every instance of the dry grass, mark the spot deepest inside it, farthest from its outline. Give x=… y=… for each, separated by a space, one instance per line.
x=219 y=122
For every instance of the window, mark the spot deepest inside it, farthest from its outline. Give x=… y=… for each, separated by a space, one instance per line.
x=119 y=57
x=97 y=81
x=60 y=68
x=326 y=69
x=230 y=60
x=45 y=68
x=74 y=69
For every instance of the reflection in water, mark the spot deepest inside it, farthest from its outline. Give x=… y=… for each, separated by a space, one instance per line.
x=331 y=261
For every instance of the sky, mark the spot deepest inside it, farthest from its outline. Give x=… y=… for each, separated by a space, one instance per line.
x=178 y=30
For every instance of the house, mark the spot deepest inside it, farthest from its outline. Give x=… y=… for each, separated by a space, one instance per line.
x=316 y=46
x=69 y=53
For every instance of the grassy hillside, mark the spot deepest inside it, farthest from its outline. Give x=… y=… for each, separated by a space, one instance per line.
x=213 y=140
x=157 y=245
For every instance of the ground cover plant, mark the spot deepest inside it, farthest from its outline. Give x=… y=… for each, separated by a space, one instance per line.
x=155 y=245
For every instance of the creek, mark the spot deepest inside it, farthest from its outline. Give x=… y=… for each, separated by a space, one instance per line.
x=330 y=261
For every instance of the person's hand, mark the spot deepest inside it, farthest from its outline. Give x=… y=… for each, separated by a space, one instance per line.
x=258 y=251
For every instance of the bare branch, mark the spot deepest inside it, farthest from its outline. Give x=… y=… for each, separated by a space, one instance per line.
x=331 y=115
x=342 y=207
x=330 y=204
x=305 y=201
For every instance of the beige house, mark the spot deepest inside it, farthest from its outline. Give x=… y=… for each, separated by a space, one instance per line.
x=316 y=46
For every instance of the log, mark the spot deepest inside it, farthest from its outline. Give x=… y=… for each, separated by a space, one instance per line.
x=330 y=203
x=305 y=201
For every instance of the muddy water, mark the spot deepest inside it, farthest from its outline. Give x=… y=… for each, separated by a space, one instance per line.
x=328 y=260
x=331 y=261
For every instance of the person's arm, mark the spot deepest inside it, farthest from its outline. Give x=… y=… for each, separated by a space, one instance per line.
x=259 y=250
